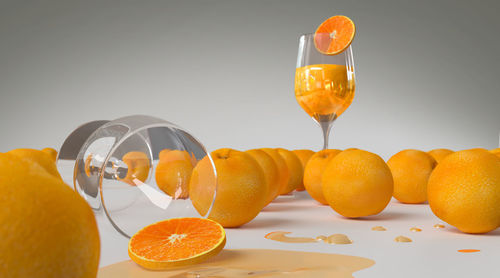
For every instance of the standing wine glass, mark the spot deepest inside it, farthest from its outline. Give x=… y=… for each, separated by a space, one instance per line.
x=324 y=84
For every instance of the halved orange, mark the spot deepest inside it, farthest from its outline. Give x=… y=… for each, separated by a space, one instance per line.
x=176 y=242
x=334 y=35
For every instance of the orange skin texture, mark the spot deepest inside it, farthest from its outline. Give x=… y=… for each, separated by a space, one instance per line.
x=313 y=173
x=164 y=156
x=40 y=157
x=138 y=167
x=296 y=170
x=411 y=170
x=47 y=229
x=304 y=156
x=51 y=152
x=464 y=191
x=241 y=187
x=357 y=183
x=440 y=154
x=173 y=173
x=270 y=170
x=496 y=152
x=282 y=168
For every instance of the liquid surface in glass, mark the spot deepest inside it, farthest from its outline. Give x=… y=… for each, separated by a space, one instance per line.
x=324 y=89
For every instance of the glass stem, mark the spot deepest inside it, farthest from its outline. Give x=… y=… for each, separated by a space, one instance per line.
x=326 y=123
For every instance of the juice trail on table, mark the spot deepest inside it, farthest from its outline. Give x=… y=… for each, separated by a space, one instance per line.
x=468 y=250
x=336 y=239
x=332 y=239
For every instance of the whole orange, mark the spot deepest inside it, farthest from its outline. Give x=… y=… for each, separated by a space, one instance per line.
x=496 y=152
x=313 y=173
x=294 y=167
x=138 y=165
x=304 y=156
x=173 y=173
x=440 y=154
x=51 y=152
x=47 y=230
x=464 y=191
x=241 y=187
x=357 y=183
x=42 y=158
x=283 y=170
x=411 y=170
x=270 y=170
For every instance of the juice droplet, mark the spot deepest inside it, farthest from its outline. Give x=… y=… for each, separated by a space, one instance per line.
x=468 y=250
x=379 y=228
x=282 y=236
x=321 y=238
x=439 y=226
x=338 y=239
x=415 y=229
x=402 y=239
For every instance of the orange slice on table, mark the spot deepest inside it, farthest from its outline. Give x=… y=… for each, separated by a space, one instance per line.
x=176 y=242
x=334 y=35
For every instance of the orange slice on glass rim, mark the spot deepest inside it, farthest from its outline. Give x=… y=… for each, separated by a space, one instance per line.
x=176 y=242
x=334 y=35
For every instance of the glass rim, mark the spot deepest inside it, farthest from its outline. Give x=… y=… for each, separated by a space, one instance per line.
x=306 y=35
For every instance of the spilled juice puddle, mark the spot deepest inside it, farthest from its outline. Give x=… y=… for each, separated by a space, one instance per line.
x=282 y=236
x=402 y=239
x=468 y=250
x=415 y=229
x=252 y=263
x=379 y=228
x=332 y=239
x=439 y=226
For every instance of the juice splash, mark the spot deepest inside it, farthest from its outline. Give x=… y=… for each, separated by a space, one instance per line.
x=402 y=239
x=332 y=239
x=379 y=229
x=324 y=91
x=439 y=226
x=253 y=263
x=282 y=236
x=468 y=250
x=338 y=239
x=415 y=229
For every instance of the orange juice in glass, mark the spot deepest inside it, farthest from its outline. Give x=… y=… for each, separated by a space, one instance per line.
x=323 y=90
x=324 y=84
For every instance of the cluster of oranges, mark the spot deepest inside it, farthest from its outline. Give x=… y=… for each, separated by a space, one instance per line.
x=462 y=188
x=246 y=182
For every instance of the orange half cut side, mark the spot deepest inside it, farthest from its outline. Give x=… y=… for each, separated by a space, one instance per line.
x=334 y=35
x=176 y=242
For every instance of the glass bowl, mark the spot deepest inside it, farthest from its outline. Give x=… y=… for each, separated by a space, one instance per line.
x=136 y=170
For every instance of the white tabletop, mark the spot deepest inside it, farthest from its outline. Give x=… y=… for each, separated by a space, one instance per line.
x=433 y=251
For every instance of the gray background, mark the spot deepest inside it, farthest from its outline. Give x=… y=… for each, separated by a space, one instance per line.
x=427 y=71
